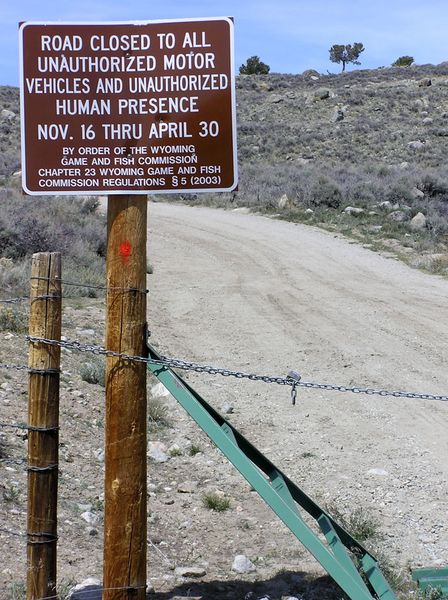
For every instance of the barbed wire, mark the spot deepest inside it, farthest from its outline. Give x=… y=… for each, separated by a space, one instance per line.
x=14 y=300
x=88 y=593
x=91 y=285
x=14 y=426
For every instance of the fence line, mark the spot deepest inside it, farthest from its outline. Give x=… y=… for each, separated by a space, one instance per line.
x=293 y=379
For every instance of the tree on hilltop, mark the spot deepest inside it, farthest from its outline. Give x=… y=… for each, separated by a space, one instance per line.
x=340 y=53
x=403 y=61
x=254 y=66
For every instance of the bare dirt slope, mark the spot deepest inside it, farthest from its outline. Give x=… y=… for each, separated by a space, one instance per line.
x=254 y=294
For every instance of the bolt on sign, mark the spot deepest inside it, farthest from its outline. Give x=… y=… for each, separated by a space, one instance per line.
x=115 y=108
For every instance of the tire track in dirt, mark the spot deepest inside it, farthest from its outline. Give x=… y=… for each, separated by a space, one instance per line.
x=279 y=294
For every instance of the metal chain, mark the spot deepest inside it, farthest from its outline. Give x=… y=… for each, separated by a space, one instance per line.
x=293 y=379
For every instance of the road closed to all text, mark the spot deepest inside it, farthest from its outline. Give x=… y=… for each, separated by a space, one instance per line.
x=112 y=108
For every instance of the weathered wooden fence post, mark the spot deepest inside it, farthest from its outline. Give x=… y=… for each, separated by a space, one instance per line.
x=125 y=445
x=43 y=421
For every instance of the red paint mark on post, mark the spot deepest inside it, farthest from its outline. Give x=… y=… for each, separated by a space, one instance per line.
x=125 y=250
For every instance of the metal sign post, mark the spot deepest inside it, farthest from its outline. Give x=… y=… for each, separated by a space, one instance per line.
x=124 y=109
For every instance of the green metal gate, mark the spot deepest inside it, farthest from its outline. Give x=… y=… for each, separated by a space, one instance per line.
x=351 y=565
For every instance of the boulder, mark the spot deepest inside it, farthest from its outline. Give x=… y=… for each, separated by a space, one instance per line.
x=416 y=193
x=190 y=572
x=321 y=94
x=283 y=202
x=399 y=216
x=8 y=115
x=89 y=589
x=353 y=210
x=416 y=145
x=157 y=452
x=311 y=74
x=338 y=115
x=426 y=82
x=418 y=223
x=241 y=564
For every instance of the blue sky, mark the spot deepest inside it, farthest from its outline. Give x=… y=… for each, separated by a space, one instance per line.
x=288 y=35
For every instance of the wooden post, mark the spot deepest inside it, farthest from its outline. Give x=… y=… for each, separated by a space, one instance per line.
x=43 y=421
x=125 y=445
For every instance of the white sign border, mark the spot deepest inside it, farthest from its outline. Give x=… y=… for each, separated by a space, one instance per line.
x=127 y=192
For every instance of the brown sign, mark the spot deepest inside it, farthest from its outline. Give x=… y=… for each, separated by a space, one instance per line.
x=136 y=108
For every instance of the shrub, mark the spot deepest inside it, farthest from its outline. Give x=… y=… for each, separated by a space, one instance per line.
x=216 y=502
x=157 y=414
x=403 y=61
x=326 y=193
x=360 y=523
x=93 y=371
x=254 y=66
x=13 y=319
x=26 y=228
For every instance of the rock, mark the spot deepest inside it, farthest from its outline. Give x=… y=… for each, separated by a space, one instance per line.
x=99 y=454
x=418 y=223
x=241 y=564
x=399 y=216
x=191 y=572
x=8 y=115
x=175 y=450
x=92 y=531
x=382 y=472
x=403 y=166
x=428 y=121
x=243 y=210
x=16 y=179
x=309 y=211
x=227 y=409
x=421 y=104
x=416 y=193
x=321 y=94
x=300 y=160
x=386 y=205
x=426 y=82
x=187 y=487
x=157 y=452
x=283 y=202
x=275 y=98
x=338 y=115
x=159 y=391
x=353 y=210
x=6 y=387
x=89 y=589
x=416 y=145
x=311 y=74
x=90 y=517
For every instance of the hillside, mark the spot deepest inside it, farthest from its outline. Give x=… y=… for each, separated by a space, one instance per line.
x=312 y=149
x=359 y=154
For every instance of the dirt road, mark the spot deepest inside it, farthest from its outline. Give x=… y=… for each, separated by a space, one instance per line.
x=250 y=293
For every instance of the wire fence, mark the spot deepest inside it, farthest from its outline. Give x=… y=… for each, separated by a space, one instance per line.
x=88 y=286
